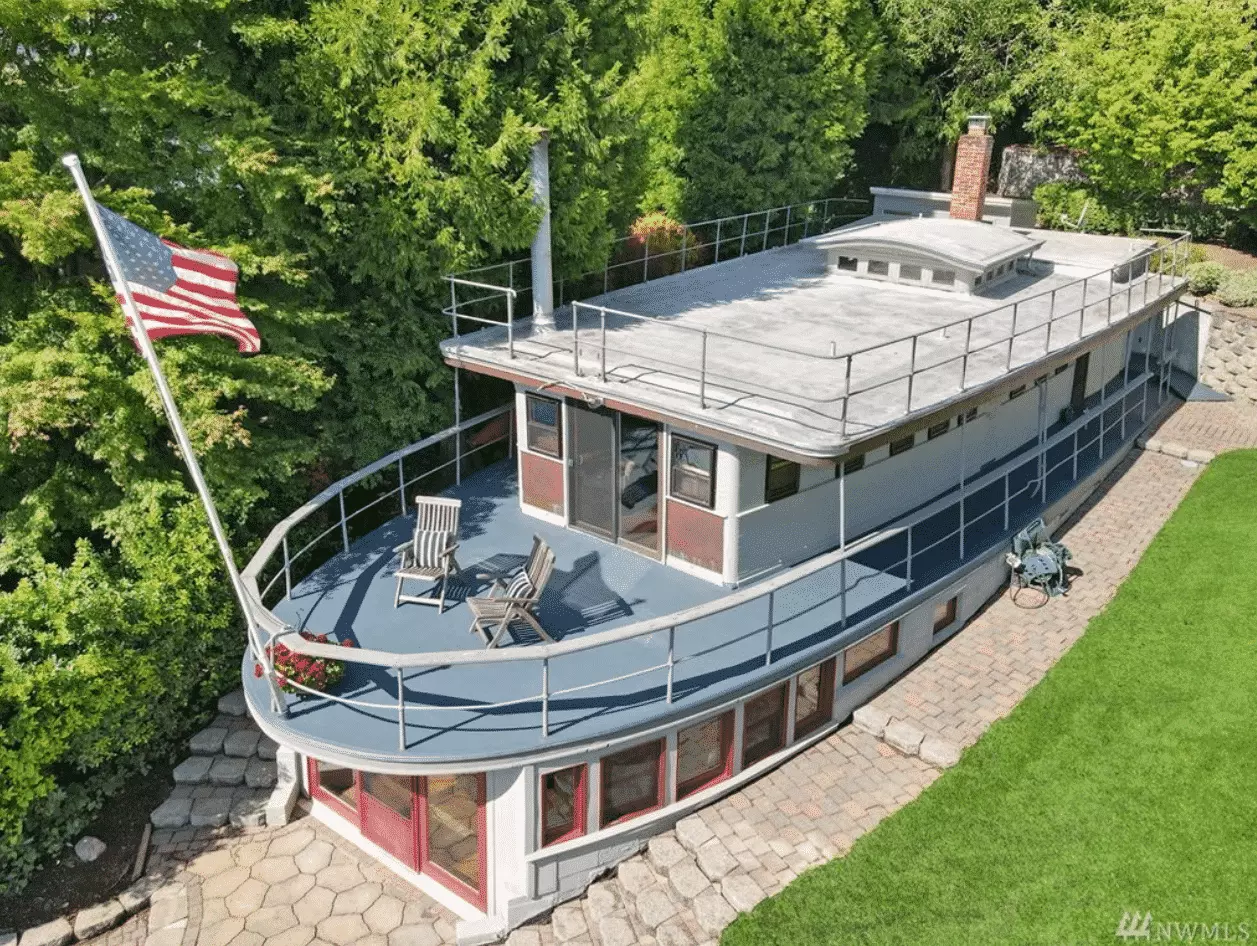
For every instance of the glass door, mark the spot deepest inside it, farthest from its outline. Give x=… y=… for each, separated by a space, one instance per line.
x=638 y=484
x=388 y=814
x=592 y=479
x=454 y=843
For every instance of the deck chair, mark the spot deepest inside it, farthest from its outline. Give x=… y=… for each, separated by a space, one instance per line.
x=429 y=555
x=514 y=598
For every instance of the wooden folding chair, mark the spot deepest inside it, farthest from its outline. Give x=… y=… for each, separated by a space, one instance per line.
x=514 y=599
x=429 y=555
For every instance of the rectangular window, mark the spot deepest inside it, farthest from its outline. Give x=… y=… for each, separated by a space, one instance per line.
x=902 y=445
x=909 y=273
x=694 y=471
x=945 y=614
x=395 y=792
x=850 y=465
x=544 y=425
x=338 y=784
x=1060 y=369
x=704 y=754
x=632 y=782
x=1016 y=392
x=879 y=267
x=764 y=725
x=977 y=280
x=863 y=656
x=848 y=263
x=813 y=698
x=937 y=430
x=943 y=277
x=781 y=479
x=968 y=416
x=563 y=804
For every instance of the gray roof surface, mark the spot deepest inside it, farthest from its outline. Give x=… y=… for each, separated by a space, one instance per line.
x=971 y=245
x=783 y=333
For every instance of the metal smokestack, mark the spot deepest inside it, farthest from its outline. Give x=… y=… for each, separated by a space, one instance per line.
x=542 y=269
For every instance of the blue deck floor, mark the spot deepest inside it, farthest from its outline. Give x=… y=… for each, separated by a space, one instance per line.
x=597 y=586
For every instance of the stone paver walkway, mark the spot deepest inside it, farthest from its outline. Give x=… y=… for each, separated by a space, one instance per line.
x=303 y=885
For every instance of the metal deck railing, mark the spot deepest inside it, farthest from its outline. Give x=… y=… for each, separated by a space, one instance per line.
x=330 y=524
x=955 y=357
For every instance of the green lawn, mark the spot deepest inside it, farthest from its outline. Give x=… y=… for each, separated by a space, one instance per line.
x=1127 y=780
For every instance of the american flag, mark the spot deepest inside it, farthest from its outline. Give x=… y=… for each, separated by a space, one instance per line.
x=177 y=290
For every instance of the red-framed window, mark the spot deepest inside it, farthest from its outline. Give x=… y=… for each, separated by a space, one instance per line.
x=631 y=782
x=704 y=754
x=945 y=613
x=435 y=825
x=763 y=725
x=563 y=804
x=814 y=698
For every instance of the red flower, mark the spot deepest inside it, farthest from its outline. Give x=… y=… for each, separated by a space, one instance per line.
x=257 y=670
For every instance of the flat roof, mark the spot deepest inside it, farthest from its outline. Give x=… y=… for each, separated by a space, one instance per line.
x=776 y=349
x=967 y=243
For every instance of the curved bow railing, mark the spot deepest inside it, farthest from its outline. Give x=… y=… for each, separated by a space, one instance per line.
x=330 y=521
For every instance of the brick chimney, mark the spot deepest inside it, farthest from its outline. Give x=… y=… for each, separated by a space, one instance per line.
x=973 y=170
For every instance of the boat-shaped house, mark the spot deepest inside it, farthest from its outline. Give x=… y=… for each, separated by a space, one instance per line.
x=774 y=472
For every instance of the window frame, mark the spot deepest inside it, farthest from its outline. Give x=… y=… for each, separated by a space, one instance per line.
x=883 y=270
x=850 y=465
x=824 y=712
x=529 y=425
x=661 y=753
x=903 y=444
x=951 y=609
x=906 y=277
x=848 y=264
x=851 y=674
x=942 y=277
x=934 y=431
x=697 y=783
x=673 y=440
x=779 y=691
x=338 y=804
x=1017 y=392
x=580 y=805
x=783 y=491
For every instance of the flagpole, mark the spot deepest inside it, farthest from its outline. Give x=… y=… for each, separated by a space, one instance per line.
x=140 y=333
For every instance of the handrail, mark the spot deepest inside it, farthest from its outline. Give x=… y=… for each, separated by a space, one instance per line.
x=275 y=628
x=1119 y=280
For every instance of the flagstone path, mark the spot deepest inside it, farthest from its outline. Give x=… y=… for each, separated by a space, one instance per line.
x=302 y=884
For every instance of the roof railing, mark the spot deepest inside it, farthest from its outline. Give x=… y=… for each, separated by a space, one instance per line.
x=1059 y=315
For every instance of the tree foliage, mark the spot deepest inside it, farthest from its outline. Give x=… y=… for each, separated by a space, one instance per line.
x=1161 y=99
x=747 y=104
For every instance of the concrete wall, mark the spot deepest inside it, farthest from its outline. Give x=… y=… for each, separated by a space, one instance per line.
x=902 y=202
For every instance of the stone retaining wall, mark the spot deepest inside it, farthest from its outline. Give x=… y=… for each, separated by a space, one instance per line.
x=1230 y=363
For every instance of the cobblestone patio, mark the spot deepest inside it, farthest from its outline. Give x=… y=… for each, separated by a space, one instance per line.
x=302 y=884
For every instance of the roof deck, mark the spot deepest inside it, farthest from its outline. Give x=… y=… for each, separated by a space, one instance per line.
x=778 y=348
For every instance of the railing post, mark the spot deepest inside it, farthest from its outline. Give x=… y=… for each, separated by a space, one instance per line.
x=603 y=319
x=768 y=646
x=846 y=396
x=672 y=640
x=646 y=258
x=401 y=485
x=912 y=372
x=768 y=219
x=454 y=305
x=1011 y=336
x=576 y=338
x=702 y=373
x=786 y=241
x=964 y=359
x=742 y=245
x=401 y=711
x=344 y=523
x=1005 y=501
x=684 y=235
x=1076 y=454
x=842 y=572
x=287 y=569
x=545 y=696
x=908 y=561
x=1126 y=378
x=716 y=257
x=510 y=324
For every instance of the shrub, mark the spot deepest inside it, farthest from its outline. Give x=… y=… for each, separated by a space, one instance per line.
x=1203 y=278
x=1062 y=204
x=1238 y=289
x=293 y=667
